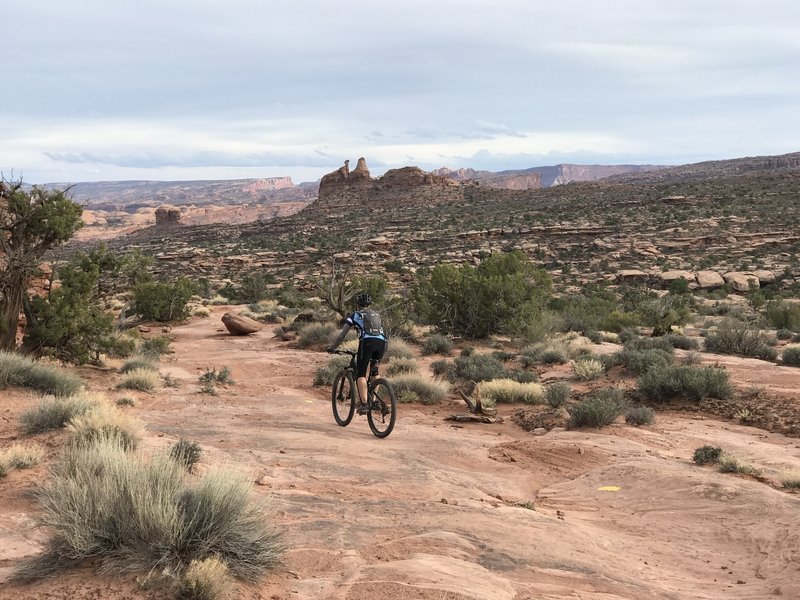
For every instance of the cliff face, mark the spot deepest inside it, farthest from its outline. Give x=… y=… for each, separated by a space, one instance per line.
x=343 y=181
x=538 y=177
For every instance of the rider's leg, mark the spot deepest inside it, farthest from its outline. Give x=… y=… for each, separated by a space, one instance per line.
x=361 y=385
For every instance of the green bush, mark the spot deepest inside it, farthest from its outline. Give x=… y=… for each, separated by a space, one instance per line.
x=599 y=410
x=186 y=453
x=522 y=376
x=743 y=339
x=791 y=355
x=444 y=369
x=557 y=394
x=54 y=413
x=640 y=415
x=428 y=391
x=639 y=362
x=504 y=294
x=650 y=343
x=128 y=514
x=707 y=454
x=783 y=315
x=163 y=301
x=730 y=464
x=682 y=342
x=784 y=334
x=22 y=371
x=479 y=367
x=437 y=344
x=155 y=346
x=693 y=383
x=326 y=374
x=138 y=362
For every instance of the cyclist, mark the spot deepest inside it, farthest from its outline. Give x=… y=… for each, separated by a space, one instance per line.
x=372 y=343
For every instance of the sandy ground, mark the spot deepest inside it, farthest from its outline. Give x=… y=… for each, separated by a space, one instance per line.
x=445 y=511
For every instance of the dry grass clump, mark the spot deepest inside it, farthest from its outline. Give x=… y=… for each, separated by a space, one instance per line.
x=791 y=355
x=402 y=366
x=315 y=334
x=791 y=479
x=144 y=380
x=139 y=362
x=587 y=369
x=22 y=456
x=16 y=369
x=427 y=390
x=106 y=422
x=202 y=312
x=129 y=514
x=730 y=464
x=54 y=413
x=206 y=579
x=508 y=390
x=397 y=348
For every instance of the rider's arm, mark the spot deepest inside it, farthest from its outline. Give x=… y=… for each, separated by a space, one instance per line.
x=342 y=335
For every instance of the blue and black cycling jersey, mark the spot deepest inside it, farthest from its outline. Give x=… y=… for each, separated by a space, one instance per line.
x=357 y=320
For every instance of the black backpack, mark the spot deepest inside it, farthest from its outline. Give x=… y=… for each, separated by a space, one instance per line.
x=372 y=322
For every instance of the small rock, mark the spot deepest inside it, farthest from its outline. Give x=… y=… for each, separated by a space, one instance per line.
x=443 y=500
x=539 y=431
x=263 y=480
x=166 y=329
x=143 y=329
x=581 y=450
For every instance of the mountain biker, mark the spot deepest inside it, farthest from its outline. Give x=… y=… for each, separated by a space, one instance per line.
x=372 y=343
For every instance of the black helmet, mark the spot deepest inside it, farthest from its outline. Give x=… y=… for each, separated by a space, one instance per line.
x=363 y=299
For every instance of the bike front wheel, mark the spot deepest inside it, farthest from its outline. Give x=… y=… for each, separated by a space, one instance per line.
x=343 y=398
x=382 y=410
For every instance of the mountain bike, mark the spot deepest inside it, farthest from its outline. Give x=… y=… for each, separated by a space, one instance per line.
x=381 y=405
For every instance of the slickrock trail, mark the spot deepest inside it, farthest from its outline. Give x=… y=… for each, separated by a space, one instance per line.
x=437 y=511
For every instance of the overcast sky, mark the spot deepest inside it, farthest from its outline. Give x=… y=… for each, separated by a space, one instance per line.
x=200 y=89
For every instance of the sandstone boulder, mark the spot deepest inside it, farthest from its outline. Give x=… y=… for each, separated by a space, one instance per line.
x=667 y=277
x=240 y=325
x=633 y=276
x=709 y=280
x=407 y=178
x=765 y=277
x=741 y=281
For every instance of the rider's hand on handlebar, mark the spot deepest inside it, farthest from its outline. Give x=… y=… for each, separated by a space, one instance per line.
x=330 y=350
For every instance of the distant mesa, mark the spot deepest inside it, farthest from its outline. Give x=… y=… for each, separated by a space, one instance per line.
x=166 y=214
x=405 y=178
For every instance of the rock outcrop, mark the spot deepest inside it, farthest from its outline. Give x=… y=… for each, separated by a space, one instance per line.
x=741 y=281
x=168 y=215
x=343 y=179
x=709 y=280
x=408 y=178
x=240 y=325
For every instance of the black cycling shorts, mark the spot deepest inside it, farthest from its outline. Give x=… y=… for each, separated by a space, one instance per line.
x=369 y=350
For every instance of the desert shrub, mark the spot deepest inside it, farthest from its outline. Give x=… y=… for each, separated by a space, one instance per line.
x=639 y=362
x=628 y=333
x=104 y=422
x=22 y=456
x=587 y=369
x=522 y=376
x=594 y=336
x=783 y=315
x=407 y=396
x=707 y=454
x=665 y=312
x=163 y=301
x=316 y=334
x=508 y=390
x=144 y=380
x=22 y=371
x=400 y=366
x=791 y=355
x=691 y=358
x=736 y=337
x=219 y=300
x=186 y=453
x=784 y=334
x=206 y=579
x=650 y=343
x=212 y=375
x=201 y=311
x=437 y=344
x=791 y=479
x=557 y=394
x=504 y=294
x=599 y=410
x=252 y=288
x=504 y=355
x=4 y=468
x=397 y=348
x=444 y=369
x=326 y=374
x=682 y=342
x=429 y=391
x=131 y=514
x=730 y=464
x=640 y=415
x=126 y=401
x=155 y=346
x=694 y=383
x=467 y=351
x=479 y=367
x=138 y=362
x=54 y=413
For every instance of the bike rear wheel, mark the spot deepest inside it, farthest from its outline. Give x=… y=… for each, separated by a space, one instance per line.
x=343 y=398
x=382 y=410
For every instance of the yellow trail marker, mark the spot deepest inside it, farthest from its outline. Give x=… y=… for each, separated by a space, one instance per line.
x=609 y=488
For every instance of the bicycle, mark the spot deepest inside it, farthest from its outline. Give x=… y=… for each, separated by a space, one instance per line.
x=381 y=406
